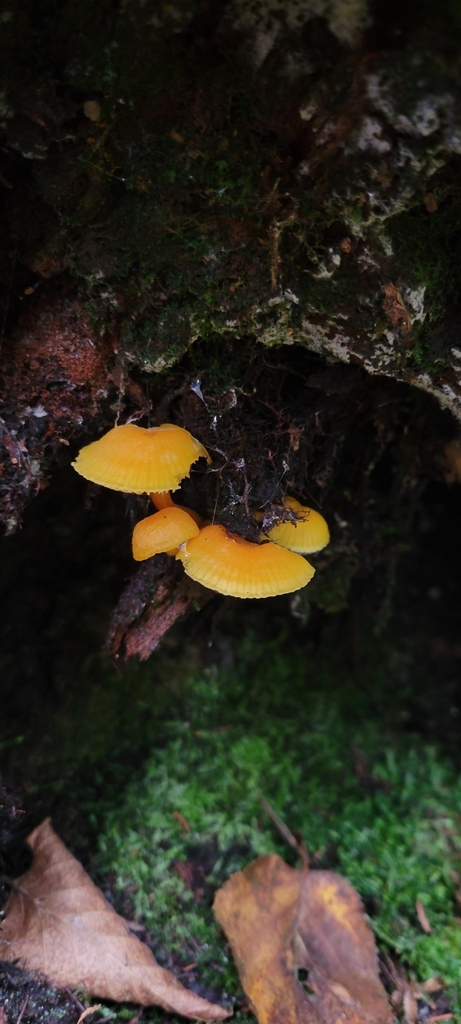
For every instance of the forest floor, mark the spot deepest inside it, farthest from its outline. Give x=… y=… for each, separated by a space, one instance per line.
x=154 y=775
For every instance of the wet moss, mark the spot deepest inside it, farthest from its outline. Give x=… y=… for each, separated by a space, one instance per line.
x=427 y=251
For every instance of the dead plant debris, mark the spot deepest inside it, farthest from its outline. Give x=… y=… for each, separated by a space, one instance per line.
x=304 y=950
x=59 y=923
x=32 y=995
x=395 y=308
x=404 y=998
x=155 y=597
x=423 y=918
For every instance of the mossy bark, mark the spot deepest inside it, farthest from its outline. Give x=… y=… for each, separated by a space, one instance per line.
x=188 y=186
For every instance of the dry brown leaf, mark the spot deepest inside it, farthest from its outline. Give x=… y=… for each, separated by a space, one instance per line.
x=395 y=308
x=58 y=922
x=280 y=922
x=452 y=462
x=430 y=202
x=423 y=918
x=407 y=993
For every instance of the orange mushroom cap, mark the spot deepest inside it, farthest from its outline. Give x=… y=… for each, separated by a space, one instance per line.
x=231 y=565
x=309 y=534
x=139 y=459
x=164 y=531
x=164 y=500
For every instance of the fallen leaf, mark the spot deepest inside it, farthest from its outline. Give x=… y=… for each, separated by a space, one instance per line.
x=407 y=993
x=181 y=821
x=395 y=308
x=92 y=110
x=58 y=922
x=185 y=870
x=452 y=462
x=304 y=950
x=423 y=918
x=430 y=202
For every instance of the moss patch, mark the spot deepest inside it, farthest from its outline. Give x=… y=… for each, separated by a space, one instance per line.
x=288 y=728
x=113 y=757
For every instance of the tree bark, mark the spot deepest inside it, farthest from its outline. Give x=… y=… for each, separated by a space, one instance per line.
x=244 y=218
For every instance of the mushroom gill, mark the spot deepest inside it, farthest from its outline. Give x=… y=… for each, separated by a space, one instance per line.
x=227 y=563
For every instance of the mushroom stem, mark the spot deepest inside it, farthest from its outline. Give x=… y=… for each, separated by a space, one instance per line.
x=164 y=500
x=161 y=499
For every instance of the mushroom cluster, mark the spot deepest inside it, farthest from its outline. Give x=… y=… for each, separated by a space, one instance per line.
x=155 y=460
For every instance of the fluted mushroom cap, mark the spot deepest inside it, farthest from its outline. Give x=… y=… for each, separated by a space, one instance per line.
x=139 y=459
x=163 y=499
x=309 y=534
x=164 y=531
x=231 y=565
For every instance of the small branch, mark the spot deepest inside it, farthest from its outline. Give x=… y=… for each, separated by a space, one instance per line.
x=296 y=844
x=86 y=1013
x=23 y=1008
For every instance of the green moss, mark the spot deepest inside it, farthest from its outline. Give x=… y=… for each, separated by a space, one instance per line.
x=331 y=584
x=427 y=252
x=275 y=726
x=165 y=211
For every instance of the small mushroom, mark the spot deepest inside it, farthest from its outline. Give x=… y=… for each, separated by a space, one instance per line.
x=164 y=531
x=164 y=500
x=310 y=533
x=227 y=563
x=140 y=459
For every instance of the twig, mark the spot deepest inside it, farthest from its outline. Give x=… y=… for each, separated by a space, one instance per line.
x=86 y=1013
x=288 y=836
x=137 y=1018
x=22 y=1010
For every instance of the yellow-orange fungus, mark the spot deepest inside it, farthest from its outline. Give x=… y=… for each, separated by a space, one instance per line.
x=164 y=531
x=231 y=565
x=310 y=533
x=139 y=459
x=164 y=500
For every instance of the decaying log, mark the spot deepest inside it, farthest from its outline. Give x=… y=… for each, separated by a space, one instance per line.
x=156 y=597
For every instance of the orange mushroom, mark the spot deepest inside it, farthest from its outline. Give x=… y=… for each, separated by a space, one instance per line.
x=139 y=459
x=227 y=563
x=164 y=500
x=310 y=533
x=164 y=531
